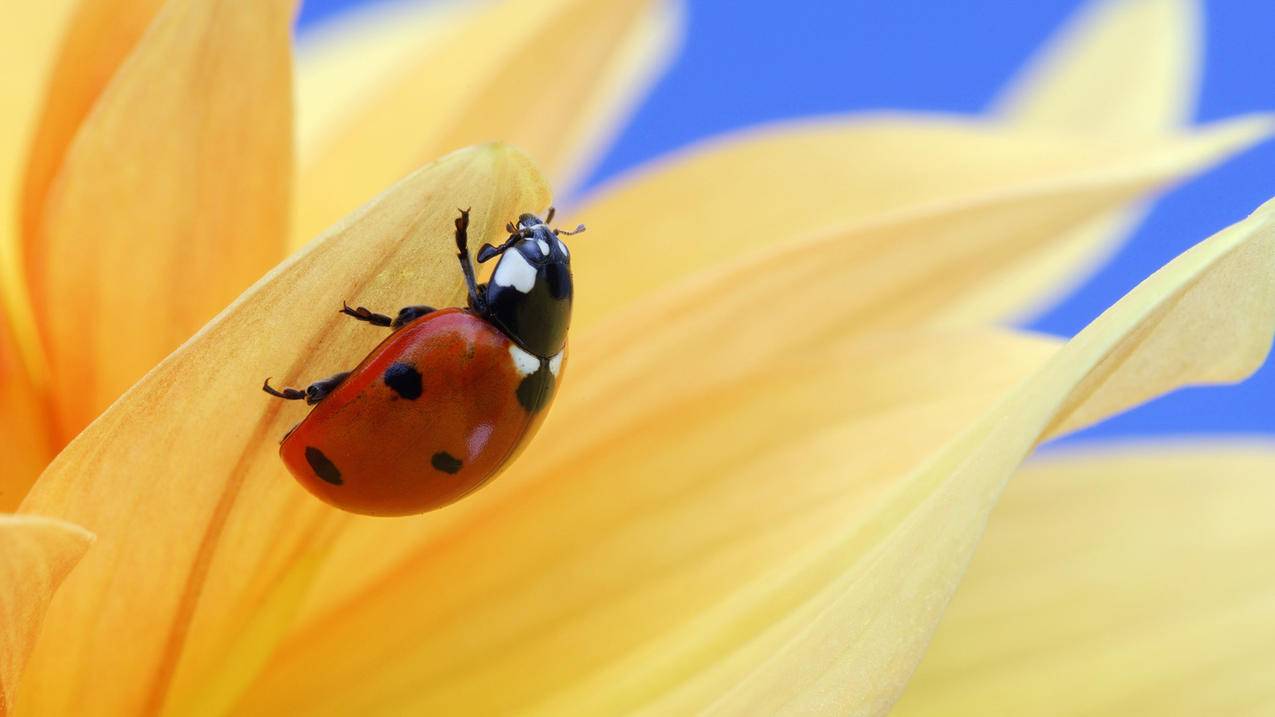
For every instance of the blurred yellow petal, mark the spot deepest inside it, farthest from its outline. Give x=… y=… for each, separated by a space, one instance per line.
x=1127 y=67
x=198 y=520
x=147 y=234
x=544 y=75
x=849 y=625
x=28 y=39
x=1122 y=68
x=35 y=555
x=571 y=563
x=1131 y=580
x=99 y=36
x=343 y=63
x=765 y=188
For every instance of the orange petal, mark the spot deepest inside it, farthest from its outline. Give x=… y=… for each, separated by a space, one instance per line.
x=763 y=188
x=206 y=543
x=99 y=36
x=35 y=556
x=545 y=75
x=28 y=40
x=25 y=445
x=148 y=232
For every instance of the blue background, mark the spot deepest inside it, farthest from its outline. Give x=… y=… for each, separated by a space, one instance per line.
x=747 y=61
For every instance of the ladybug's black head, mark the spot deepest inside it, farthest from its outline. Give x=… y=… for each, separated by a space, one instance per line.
x=529 y=293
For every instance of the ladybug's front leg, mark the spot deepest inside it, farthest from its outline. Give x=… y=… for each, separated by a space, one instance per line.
x=313 y=393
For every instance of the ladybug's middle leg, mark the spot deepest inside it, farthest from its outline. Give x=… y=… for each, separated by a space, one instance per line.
x=313 y=393
x=406 y=315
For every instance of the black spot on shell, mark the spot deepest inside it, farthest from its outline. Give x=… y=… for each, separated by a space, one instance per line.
x=323 y=467
x=405 y=380
x=535 y=390
x=445 y=462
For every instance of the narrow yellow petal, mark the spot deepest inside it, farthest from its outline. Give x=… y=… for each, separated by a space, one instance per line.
x=35 y=555
x=1123 y=67
x=147 y=234
x=1126 y=67
x=573 y=561
x=1130 y=580
x=851 y=620
x=99 y=36
x=205 y=541
x=345 y=62
x=540 y=74
x=28 y=39
x=766 y=188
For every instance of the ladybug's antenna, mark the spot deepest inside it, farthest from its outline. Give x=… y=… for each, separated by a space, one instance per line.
x=579 y=229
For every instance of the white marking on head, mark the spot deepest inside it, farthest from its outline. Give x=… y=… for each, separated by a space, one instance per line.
x=555 y=363
x=544 y=246
x=525 y=363
x=563 y=247
x=514 y=270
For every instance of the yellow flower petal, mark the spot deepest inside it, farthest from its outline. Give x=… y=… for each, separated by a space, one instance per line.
x=541 y=74
x=1124 y=67
x=99 y=36
x=763 y=189
x=35 y=555
x=576 y=559
x=198 y=520
x=343 y=63
x=147 y=234
x=1132 y=580
x=618 y=642
x=28 y=37
x=850 y=623
x=1127 y=67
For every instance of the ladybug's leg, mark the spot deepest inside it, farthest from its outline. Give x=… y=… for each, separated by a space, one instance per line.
x=364 y=314
x=313 y=393
x=406 y=315
x=476 y=301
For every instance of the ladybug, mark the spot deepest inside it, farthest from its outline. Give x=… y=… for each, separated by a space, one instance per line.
x=452 y=395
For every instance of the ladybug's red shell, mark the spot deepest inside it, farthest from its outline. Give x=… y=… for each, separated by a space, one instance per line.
x=429 y=416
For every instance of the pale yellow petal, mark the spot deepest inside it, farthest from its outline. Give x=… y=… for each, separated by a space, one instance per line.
x=205 y=541
x=845 y=628
x=576 y=558
x=35 y=555
x=540 y=74
x=345 y=61
x=1133 y=579
x=764 y=189
x=173 y=198
x=1125 y=68
x=99 y=35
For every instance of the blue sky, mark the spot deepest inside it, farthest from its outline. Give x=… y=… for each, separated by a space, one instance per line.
x=746 y=61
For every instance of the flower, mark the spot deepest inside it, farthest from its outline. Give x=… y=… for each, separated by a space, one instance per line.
x=776 y=451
